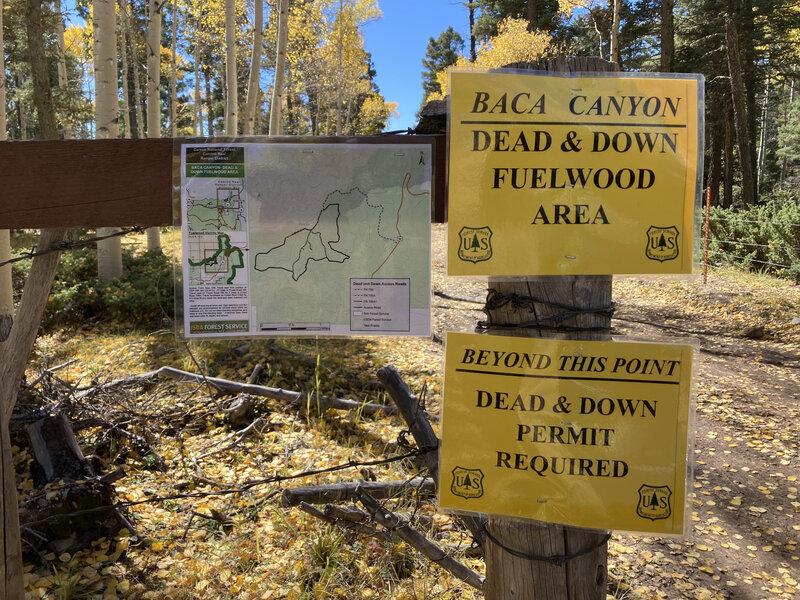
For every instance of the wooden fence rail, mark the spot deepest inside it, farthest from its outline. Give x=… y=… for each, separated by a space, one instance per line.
x=116 y=183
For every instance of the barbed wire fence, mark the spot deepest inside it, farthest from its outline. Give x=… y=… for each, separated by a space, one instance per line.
x=755 y=245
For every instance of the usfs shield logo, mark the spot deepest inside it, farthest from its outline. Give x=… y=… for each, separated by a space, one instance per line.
x=654 y=502
x=467 y=483
x=662 y=243
x=475 y=244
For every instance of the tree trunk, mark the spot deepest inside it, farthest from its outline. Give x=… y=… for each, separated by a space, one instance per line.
x=125 y=107
x=727 y=196
x=473 y=53
x=3 y=123
x=198 y=101
x=6 y=287
x=137 y=100
x=762 y=138
x=276 y=106
x=614 y=51
x=784 y=160
x=715 y=163
x=667 y=36
x=173 y=76
x=6 y=284
x=209 y=100
x=12 y=368
x=153 y=41
x=154 y=69
x=105 y=70
x=63 y=81
x=750 y=75
x=130 y=74
x=253 y=89
x=231 y=84
x=42 y=94
x=508 y=575
x=109 y=252
x=741 y=120
x=532 y=16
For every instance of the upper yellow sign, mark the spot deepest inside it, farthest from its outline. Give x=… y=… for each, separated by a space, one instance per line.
x=589 y=434
x=555 y=175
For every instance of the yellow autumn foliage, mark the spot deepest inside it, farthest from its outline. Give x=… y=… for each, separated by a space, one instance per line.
x=513 y=43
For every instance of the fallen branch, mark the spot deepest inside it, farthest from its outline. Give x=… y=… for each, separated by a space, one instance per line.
x=354 y=515
x=346 y=524
x=233 y=387
x=142 y=445
x=239 y=435
x=343 y=492
x=414 y=416
x=400 y=527
x=423 y=433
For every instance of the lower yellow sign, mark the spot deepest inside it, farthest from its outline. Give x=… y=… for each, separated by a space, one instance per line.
x=589 y=434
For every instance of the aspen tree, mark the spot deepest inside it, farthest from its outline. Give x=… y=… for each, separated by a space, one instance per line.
x=125 y=107
x=231 y=83
x=153 y=92
x=276 y=106
x=253 y=89
x=616 y=8
x=109 y=251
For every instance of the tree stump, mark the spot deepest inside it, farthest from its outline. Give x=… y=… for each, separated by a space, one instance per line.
x=70 y=505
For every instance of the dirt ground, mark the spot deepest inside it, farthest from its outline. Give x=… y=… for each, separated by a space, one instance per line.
x=744 y=508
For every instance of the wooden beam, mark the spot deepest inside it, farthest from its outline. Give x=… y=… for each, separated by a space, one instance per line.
x=118 y=183
x=85 y=183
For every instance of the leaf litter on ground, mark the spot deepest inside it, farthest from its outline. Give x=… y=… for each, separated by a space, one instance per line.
x=744 y=512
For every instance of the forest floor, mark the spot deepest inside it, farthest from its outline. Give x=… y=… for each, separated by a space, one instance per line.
x=210 y=524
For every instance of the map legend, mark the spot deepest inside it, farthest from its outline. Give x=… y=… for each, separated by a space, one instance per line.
x=380 y=305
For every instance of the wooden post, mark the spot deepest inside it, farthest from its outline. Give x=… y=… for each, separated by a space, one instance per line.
x=527 y=559
x=12 y=368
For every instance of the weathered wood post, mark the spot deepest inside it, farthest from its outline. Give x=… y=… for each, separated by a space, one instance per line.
x=526 y=559
x=12 y=367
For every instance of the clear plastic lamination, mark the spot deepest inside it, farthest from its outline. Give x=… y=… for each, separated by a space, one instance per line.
x=312 y=237
x=573 y=174
x=581 y=433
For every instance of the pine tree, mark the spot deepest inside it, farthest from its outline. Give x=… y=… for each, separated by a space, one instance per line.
x=442 y=52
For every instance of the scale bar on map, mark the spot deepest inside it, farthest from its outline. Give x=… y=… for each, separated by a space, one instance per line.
x=295 y=326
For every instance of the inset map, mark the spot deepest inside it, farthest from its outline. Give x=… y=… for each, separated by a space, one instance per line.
x=217 y=259
x=223 y=211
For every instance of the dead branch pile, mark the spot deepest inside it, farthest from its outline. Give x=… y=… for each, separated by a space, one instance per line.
x=377 y=520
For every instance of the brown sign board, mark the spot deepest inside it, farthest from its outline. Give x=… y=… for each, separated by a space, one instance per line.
x=114 y=183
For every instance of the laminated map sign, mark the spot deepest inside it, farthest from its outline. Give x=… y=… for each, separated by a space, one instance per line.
x=564 y=174
x=587 y=434
x=305 y=238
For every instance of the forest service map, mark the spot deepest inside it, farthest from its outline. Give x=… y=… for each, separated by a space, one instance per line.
x=284 y=238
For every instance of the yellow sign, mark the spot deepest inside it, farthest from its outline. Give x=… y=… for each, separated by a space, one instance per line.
x=589 y=434
x=553 y=174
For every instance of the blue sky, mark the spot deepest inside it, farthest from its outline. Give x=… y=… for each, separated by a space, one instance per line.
x=398 y=42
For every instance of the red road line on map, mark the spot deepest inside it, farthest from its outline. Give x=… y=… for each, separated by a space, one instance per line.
x=405 y=189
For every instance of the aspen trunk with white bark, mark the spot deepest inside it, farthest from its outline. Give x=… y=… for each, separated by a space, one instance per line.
x=109 y=252
x=231 y=83
x=253 y=89
x=153 y=96
x=276 y=106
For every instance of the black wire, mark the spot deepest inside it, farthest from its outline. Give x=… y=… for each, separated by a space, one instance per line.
x=66 y=246
x=558 y=559
x=495 y=300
